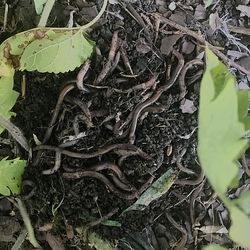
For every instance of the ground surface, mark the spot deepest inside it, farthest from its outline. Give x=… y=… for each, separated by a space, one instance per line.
x=189 y=215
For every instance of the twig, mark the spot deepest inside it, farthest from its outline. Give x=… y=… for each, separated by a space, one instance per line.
x=229 y=62
x=5 y=16
x=27 y=222
x=240 y=30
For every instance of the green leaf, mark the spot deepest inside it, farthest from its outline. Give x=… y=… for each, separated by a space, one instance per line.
x=155 y=191
x=96 y=241
x=110 y=223
x=46 y=50
x=239 y=231
x=244 y=202
x=208 y=3
x=223 y=123
x=11 y=172
x=220 y=125
x=39 y=6
x=58 y=51
x=8 y=97
x=214 y=247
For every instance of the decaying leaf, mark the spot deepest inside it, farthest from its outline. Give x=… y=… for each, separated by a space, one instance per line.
x=45 y=49
x=245 y=10
x=155 y=191
x=11 y=172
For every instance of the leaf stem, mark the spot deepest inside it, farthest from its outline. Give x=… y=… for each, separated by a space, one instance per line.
x=27 y=222
x=46 y=11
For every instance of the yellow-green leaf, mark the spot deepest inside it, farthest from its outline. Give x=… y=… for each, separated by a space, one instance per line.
x=11 y=172
x=7 y=97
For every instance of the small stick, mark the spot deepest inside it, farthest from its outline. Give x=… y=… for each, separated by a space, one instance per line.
x=6 y=9
x=23 y=86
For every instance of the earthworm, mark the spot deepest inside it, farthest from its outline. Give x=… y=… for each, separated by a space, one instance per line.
x=195 y=77
x=62 y=95
x=191 y=182
x=186 y=67
x=101 y=151
x=115 y=62
x=125 y=59
x=107 y=165
x=101 y=177
x=97 y=222
x=152 y=109
x=49 y=130
x=111 y=57
x=156 y=96
x=183 y=241
x=84 y=107
x=192 y=202
x=130 y=117
x=122 y=185
x=146 y=85
x=58 y=160
x=179 y=165
x=32 y=192
x=81 y=74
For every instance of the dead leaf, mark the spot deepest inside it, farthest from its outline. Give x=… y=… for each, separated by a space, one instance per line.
x=179 y=17
x=213 y=229
x=187 y=47
x=167 y=44
x=142 y=46
x=215 y=21
x=187 y=106
x=200 y=12
x=55 y=242
x=245 y=10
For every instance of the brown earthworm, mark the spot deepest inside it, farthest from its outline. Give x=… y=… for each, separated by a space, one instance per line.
x=49 y=130
x=186 y=67
x=183 y=241
x=101 y=177
x=156 y=96
x=121 y=185
x=101 y=151
x=81 y=74
x=108 y=165
x=191 y=182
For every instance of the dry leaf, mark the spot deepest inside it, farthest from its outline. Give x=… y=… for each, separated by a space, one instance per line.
x=187 y=106
x=245 y=10
x=200 y=12
x=168 y=42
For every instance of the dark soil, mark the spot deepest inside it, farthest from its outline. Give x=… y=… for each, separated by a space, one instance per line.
x=67 y=203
